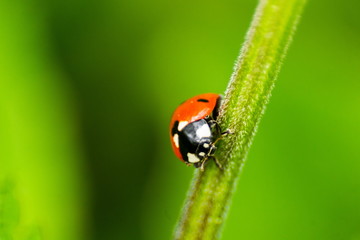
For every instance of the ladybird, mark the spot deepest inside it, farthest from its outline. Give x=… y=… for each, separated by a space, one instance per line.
x=194 y=130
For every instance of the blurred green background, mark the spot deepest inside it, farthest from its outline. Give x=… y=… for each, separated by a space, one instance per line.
x=87 y=89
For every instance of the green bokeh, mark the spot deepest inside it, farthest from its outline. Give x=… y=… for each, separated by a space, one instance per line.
x=86 y=92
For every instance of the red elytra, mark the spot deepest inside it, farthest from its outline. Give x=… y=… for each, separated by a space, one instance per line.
x=193 y=109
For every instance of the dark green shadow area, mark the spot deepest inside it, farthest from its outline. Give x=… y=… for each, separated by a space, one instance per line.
x=101 y=57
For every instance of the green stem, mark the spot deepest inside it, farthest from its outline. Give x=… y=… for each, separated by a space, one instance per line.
x=247 y=94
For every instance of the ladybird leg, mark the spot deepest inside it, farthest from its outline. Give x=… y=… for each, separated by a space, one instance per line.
x=211 y=155
x=212 y=149
x=219 y=138
x=213 y=123
x=202 y=163
x=227 y=132
x=223 y=134
x=217 y=162
x=202 y=166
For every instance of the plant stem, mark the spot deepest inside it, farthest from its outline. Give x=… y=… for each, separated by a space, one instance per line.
x=246 y=96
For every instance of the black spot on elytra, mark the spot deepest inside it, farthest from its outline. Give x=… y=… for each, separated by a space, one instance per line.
x=202 y=100
x=175 y=128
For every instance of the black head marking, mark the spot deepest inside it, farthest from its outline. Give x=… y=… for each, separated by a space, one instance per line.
x=191 y=142
x=202 y=100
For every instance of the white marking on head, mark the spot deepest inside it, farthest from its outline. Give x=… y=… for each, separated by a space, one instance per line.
x=204 y=131
x=181 y=125
x=201 y=154
x=206 y=145
x=192 y=158
x=176 y=140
